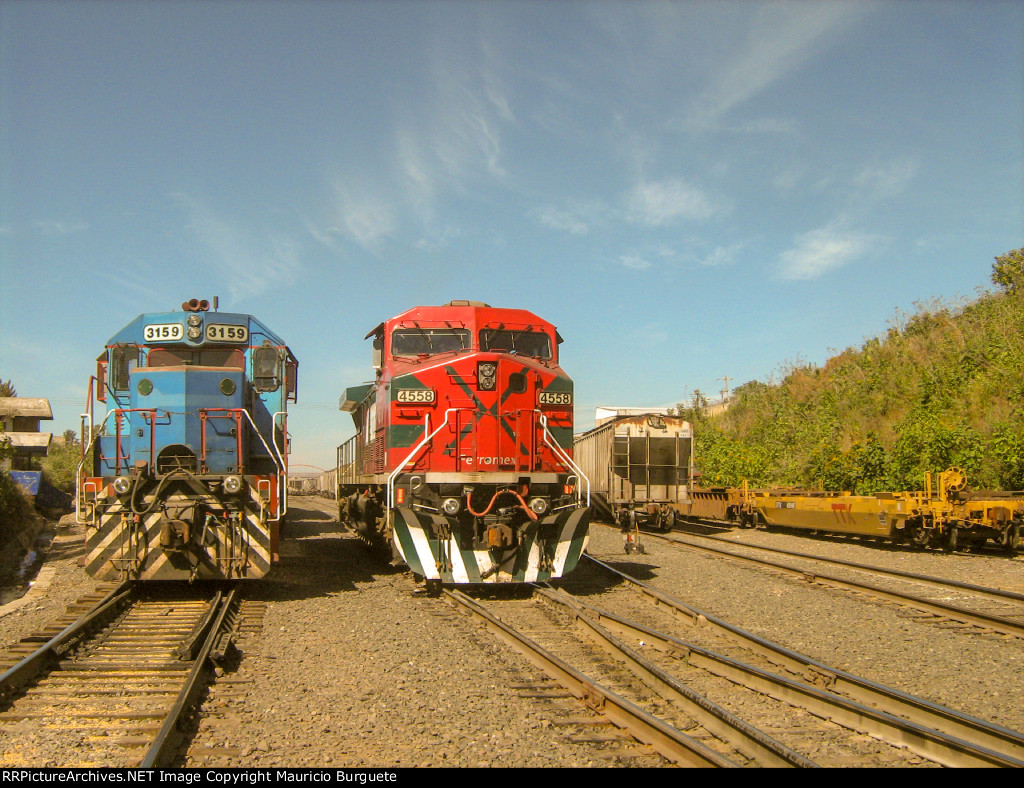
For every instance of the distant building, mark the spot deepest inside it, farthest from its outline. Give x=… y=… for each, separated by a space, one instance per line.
x=20 y=417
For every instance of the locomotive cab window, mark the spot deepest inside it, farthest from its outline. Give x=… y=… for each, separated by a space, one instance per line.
x=123 y=359
x=428 y=341
x=524 y=342
x=186 y=357
x=266 y=368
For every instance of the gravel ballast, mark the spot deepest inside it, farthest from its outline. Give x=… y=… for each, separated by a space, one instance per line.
x=352 y=668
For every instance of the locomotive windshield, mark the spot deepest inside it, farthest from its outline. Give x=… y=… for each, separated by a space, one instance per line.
x=526 y=343
x=187 y=357
x=428 y=341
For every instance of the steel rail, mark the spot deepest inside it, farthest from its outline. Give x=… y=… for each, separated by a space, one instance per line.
x=753 y=743
x=667 y=740
x=163 y=750
x=26 y=670
x=898 y=731
x=962 y=726
x=998 y=623
x=998 y=594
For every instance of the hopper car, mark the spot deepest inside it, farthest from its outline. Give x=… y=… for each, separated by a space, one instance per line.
x=461 y=466
x=640 y=468
x=188 y=477
x=327 y=484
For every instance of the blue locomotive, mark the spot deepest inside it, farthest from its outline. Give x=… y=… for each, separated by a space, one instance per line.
x=188 y=476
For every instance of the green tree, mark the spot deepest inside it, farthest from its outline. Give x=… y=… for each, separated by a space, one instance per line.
x=1008 y=270
x=7 y=389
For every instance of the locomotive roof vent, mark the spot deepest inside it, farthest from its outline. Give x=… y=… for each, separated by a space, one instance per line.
x=468 y=303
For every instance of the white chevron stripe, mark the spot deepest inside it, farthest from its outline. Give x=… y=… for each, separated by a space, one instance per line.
x=564 y=543
x=422 y=546
x=459 y=571
x=533 y=564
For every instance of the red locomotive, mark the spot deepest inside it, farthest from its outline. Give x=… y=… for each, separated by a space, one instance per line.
x=462 y=458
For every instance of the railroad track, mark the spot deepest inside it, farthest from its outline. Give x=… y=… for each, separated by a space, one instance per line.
x=114 y=686
x=983 y=608
x=695 y=706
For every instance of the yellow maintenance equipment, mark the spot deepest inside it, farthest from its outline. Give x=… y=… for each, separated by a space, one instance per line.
x=945 y=514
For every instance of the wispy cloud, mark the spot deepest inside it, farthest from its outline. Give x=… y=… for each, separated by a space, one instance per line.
x=721 y=255
x=576 y=220
x=816 y=252
x=448 y=140
x=635 y=262
x=361 y=214
x=656 y=203
x=780 y=37
x=249 y=265
x=883 y=181
x=60 y=227
x=139 y=277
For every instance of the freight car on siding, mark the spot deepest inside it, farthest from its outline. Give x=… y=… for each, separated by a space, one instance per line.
x=462 y=465
x=946 y=514
x=640 y=469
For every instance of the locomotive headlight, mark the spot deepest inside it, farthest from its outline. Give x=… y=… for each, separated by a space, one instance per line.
x=194 y=332
x=451 y=506
x=486 y=373
x=122 y=484
x=195 y=320
x=539 y=505
x=232 y=484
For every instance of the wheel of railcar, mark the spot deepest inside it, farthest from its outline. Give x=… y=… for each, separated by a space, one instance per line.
x=951 y=539
x=919 y=535
x=1012 y=540
x=670 y=520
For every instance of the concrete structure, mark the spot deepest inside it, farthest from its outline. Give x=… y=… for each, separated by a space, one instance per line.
x=20 y=417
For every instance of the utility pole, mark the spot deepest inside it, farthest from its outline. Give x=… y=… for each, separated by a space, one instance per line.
x=725 y=393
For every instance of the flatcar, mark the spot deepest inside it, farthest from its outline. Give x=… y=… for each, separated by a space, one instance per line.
x=733 y=505
x=640 y=468
x=461 y=466
x=188 y=479
x=946 y=514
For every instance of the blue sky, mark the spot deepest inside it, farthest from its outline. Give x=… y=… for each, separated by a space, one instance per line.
x=688 y=190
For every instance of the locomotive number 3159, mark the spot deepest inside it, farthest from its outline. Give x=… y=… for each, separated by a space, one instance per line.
x=226 y=333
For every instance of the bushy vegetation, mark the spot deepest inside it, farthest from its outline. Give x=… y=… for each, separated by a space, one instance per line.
x=15 y=507
x=61 y=463
x=944 y=386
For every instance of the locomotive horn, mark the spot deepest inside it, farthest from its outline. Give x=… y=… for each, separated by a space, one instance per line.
x=204 y=305
x=192 y=305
